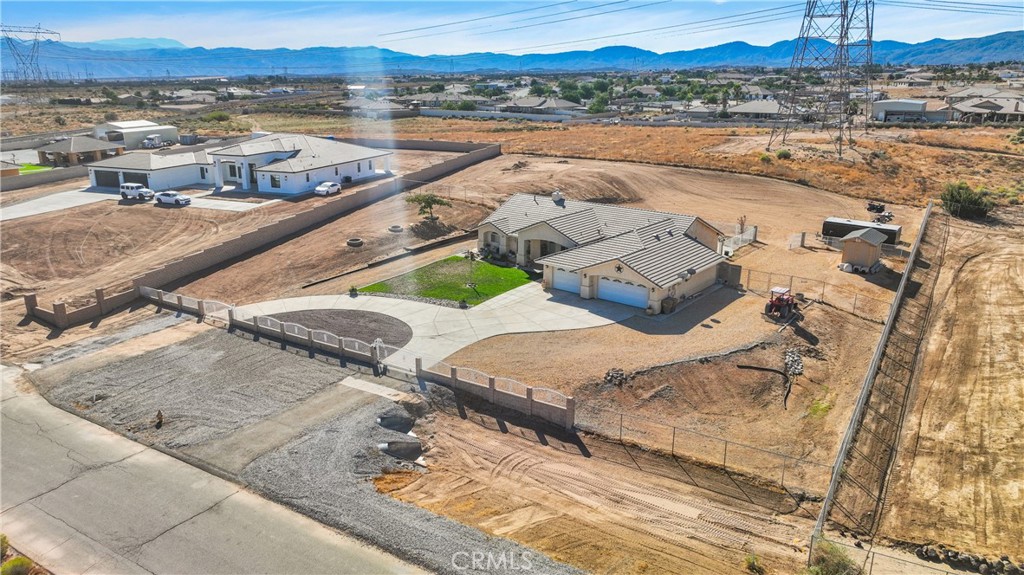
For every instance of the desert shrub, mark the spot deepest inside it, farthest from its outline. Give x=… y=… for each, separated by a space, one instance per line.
x=3 y=545
x=16 y=566
x=110 y=116
x=766 y=159
x=830 y=559
x=60 y=121
x=783 y=154
x=218 y=116
x=753 y=564
x=963 y=201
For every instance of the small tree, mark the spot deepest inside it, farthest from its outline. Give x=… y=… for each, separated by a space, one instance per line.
x=963 y=201
x=110 y=116
x=60 y=121
x=426 y=202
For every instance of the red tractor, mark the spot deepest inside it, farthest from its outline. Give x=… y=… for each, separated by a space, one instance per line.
x=780 y=303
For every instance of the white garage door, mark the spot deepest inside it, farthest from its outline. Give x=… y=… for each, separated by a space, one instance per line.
x=567 y=281
x=622 y=292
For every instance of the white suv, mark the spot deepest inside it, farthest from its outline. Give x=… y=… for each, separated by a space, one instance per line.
x=136 y=192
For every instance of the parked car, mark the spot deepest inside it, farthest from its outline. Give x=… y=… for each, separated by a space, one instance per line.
x=327 y=188
x=173 y=198
x=136 y=192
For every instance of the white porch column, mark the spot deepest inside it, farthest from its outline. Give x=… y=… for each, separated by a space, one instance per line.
x=120 y=177
x=245 y=175
x=218 y=174
x=521 y=251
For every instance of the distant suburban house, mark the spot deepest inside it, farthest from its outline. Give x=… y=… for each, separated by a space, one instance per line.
x=78 y=150
x=7 y=169
x=131 y=133
x=979 y=110
x=537 y=105
x=757 y=109
x=901 y=110
x=286 y=164
x=631 y=256
x=439 y=99
x=752 y=92
x=972 y=92
x=911 y=82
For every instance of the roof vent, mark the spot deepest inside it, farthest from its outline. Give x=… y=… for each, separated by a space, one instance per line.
x=669 y=232
x=657 y=237
x=557 y=197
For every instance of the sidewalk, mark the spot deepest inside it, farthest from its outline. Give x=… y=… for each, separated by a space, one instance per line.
x=78 y=498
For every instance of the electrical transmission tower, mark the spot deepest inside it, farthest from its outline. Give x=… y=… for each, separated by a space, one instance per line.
x=23 y=43
x=831 y=61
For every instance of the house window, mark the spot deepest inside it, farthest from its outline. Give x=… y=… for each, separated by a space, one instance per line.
x=307 y=177
x=494 y=237
x=359 y=166
x=275 y=181
x=370 y=164
x=202 y=173
x=232 y=171
x=335 y=170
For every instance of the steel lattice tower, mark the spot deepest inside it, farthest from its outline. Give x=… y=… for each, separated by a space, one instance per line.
x=832 y=59
x=26 y=57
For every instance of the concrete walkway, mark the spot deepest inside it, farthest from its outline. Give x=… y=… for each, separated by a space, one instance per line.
x=54 y=202
x=441 y=331
x=78 y=498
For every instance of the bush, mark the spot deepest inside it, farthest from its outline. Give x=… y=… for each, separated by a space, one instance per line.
x=830 y=559
x=110 y=116
x=753 y=565
x=783 y=154
x=3 y=546
x=766 y=159
x=962 y=201
x=16 y=566
x=219 y=116
x=60 y=121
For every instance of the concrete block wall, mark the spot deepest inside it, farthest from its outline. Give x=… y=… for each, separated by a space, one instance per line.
x=292 y=224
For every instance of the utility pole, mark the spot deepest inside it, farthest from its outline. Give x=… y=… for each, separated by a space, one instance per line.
x=832 y=58
x=23 y=42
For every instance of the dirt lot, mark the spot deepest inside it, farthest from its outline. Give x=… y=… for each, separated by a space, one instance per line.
x=362 y=325
x=959 y=472
x=475 y=191
x=897 y=165
x=597 y=505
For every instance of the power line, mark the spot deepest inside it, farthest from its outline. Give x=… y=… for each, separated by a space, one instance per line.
x=990 y=12
x=478 y=19
x=575 y=18
x=472 y=28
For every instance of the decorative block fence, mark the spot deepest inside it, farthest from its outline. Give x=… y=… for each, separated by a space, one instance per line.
x=539 y=402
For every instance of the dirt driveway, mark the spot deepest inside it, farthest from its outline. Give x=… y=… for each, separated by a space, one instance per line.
x=959 y=475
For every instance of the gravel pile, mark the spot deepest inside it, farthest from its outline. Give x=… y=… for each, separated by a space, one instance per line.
x=206 y=387
x=616 y=377
x=327 y=474
x=794 y=363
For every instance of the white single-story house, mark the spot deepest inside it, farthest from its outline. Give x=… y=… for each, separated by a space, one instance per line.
x=131 y=133
x=294 y=163
x=627 y=255
x=285 y=164
x=156 y=171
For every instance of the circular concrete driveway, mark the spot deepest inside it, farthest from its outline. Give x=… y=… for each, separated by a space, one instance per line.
x=438 y=332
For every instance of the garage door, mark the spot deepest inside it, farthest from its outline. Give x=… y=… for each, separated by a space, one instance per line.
x=107 y=179
x=136 y=178
x=567 y=281
x=622 y=292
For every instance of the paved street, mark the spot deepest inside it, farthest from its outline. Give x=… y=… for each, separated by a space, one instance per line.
x=80 y=499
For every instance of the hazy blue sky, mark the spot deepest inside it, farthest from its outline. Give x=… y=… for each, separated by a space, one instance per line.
x=297 y=24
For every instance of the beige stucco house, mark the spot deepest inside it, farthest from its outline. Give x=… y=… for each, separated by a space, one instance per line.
x=631 y=256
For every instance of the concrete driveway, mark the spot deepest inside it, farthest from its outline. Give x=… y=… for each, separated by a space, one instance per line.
x=75 y=198
x=441 y=331
x=80 y=499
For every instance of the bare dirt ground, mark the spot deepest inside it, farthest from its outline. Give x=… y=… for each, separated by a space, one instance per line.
x=358 y=324
x=599 y=506
x=959 y=476
x=896 y=165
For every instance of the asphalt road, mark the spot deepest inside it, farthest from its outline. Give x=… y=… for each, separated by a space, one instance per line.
x=80 y=499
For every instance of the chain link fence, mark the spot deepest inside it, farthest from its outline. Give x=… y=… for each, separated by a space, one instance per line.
x=845 y=299
x=787 y=471
x=867 y=561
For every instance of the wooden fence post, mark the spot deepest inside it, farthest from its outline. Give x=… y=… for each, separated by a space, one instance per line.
x=529 y=401
x=491 y=386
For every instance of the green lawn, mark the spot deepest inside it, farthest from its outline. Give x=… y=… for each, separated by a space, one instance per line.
x=447 y=279
x=32 y=168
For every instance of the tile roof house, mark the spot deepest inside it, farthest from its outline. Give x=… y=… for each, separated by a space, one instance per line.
x=632 y=256
x=990 y=109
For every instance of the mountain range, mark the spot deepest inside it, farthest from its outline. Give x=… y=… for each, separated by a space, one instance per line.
x=160 y=57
